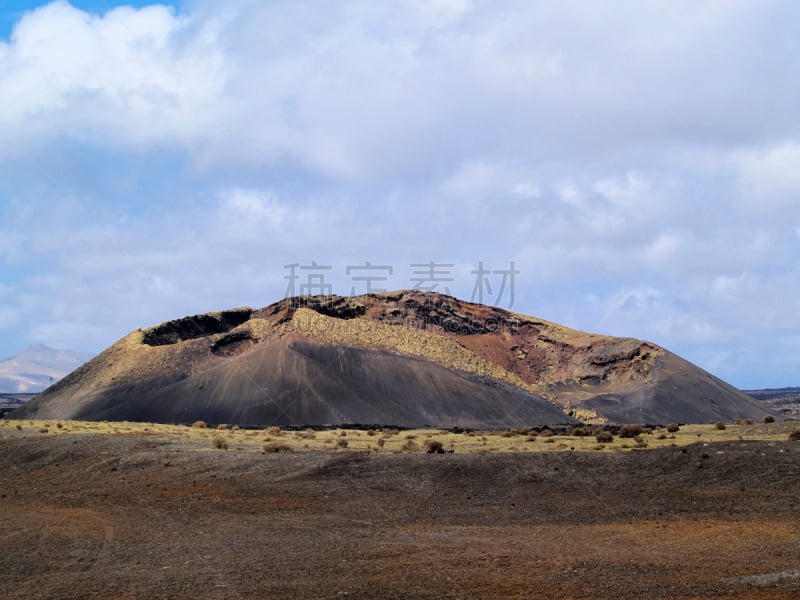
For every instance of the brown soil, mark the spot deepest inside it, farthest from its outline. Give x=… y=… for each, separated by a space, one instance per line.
x=149 y=516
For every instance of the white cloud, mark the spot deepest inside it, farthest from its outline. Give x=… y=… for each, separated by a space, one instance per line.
x=526 y=190
x=492 y=178
x=248 y=210
x=157 y=163
x=127 y=78
x=771 y=176
x=350 y=90
x=664 y=248
x=626 y=193
x=475 y=177
x=9 y=315
x=568 y=193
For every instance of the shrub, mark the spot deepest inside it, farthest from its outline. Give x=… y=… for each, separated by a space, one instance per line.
x=409 y=446
x=579 y=432
x=44 y=430
x=274 y=430
x=769 y=419
x=219 y=443
x=640 y=442
x=381 y=442
x=604 y=437
x=341 y=443
x=631 y=431
x=434 y=447
x=795 y=435
x=277 y=448
x=371 y=432
x=546 y=433
x=19 y=427
x=673 y=427
x=549 y=440
x=222 y=427
x=59 y=425
x=520 y=430
x=199 y=425
x=719 y=425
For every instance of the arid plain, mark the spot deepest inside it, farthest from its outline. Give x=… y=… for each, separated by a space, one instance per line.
x=134 y=510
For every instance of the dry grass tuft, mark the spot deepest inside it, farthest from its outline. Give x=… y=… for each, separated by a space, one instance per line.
x=272 y=448
x=434 y=447
x=604 y=437
x=409 y=446
x=631 y=431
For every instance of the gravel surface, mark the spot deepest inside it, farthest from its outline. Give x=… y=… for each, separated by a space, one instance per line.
x=147 y=516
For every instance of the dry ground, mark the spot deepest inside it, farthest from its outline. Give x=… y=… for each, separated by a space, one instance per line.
x=156 y=511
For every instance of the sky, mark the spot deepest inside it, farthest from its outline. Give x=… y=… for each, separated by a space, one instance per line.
x=629 y=168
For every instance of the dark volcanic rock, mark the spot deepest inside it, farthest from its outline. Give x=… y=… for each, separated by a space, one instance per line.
x=189 y=328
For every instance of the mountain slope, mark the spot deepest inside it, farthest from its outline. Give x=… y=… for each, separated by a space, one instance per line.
x=33 y=369
x=405 y=358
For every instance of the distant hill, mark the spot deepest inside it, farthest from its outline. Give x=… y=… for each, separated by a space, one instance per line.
x=406 y=358
x=783 y=402
x=9 y=402
x=35 y=368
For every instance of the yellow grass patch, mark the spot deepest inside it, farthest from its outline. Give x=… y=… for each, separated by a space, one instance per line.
x=395 y=441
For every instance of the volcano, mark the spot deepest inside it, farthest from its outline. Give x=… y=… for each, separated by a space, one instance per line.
x=407 y=358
